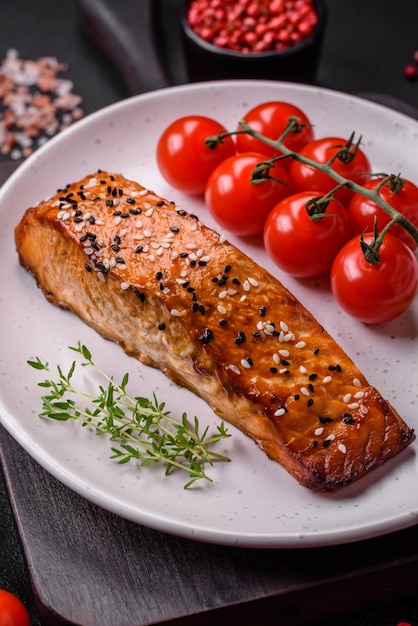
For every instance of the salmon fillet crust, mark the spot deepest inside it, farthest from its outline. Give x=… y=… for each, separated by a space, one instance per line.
x=179 y=297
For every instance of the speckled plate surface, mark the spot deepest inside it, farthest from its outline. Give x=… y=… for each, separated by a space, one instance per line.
x=252 y=502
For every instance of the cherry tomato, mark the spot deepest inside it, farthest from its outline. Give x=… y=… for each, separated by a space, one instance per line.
x=375 y=293
x=184 y=159
x=301 y=246
x=270 y=119
x=405 y=200
x=237 y=204
x=305 y=177
x=12 y=610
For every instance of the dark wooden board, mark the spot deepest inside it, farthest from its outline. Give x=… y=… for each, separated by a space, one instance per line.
x=91 y=568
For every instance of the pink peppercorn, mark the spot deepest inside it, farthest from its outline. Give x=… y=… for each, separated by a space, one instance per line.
x=253 y=25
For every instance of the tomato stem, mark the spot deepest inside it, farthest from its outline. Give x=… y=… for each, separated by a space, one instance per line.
x=371 y=194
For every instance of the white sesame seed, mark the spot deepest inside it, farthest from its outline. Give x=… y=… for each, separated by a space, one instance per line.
x=149 y=212
x=243 y=298
x=284 y=352
x=245 y=364
x=235 y=369
x=305 y=391
x=246 y=285
x=303 y=369
x=284 y=327
x=276 y=359
x=222 y=239
x=101 y=277
x=205 y=258
x=199 y=253
x=191 y=246
x=160 y=251
x=353 y=405
x=330 y=438
x=347 y=397
x=155 y=245
x=300 y=344
x=118 y=220
x=143 y=192
x=342 y=448
x=88 y=251
x=269 y=329
x=139 y=224
x=174 y=255
x=327 y=379
x=232 y=292
x=147 y=233
x=79 y=227
x=280 y=412
x=289 y=337
x=193 y=257
x=283 y=370
x=253 y=282
x=318 y=431
x=221 y=309
x=356 y=382
x=223 y=294
x=145 y=248
x=260 y=325
x=124 y=286
x=359 y=394
x=363 y=409
x=175 y=313
x=115 y=202
x=151 y=257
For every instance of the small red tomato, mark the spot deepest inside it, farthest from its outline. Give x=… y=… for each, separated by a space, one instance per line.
x=302 y=246
x=239 y=205
x=354 y=166
x=375 y=293
x=270 y=119
x=363 y=211
x=12 y=610
x=183 y=157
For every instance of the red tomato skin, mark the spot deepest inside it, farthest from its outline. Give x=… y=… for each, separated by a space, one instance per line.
x=302 y=247
x=363 y=210
x=375 y=294
x=305 y=177
x=270 y=119
x=182 y=156
x=12 y=610
x=236 y=204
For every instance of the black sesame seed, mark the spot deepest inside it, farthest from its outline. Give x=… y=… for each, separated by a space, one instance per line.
x=139 y=249
x=227 y=268
x=236 y=281
x=114 y=191
x=316 y=351
x=326 y=443
x=348 y=419
x=284 y=362
x=181 y=212
x=215 y=279
x=223 y=322
x=92 y=219
x=223 y=280
x=158 y=275
x=315 y=443
x=120 y=192
x=207 y=336
x=313 y=376
x=134 y=211
x=257 y=333
x=109 y=202
x=250 y=361
x=174 y=229
x=262 y=311
x=183 y=255
x=83 y=238
x=95 y=246
x=311 y=387
x=310 y=402
x=273 y=370
x=140 y=295
x=77 y=220
x=130 y=200
x=115 y=247
x=297 y=396
x=202 y=309
x=88 y=267
x=102 y=268
x=161 y=326
x=194 y=307
x=202 y=263
x=160 y=203
x=240 y=338
x=90 y=235
x=78 y=213
x=325 y=420
x=109 y=189
x=117 y=239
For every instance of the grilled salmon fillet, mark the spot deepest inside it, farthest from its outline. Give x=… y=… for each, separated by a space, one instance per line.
x=177 y=296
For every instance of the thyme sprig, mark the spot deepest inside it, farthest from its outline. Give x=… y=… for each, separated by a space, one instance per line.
x=145 y=429
x=344 y=153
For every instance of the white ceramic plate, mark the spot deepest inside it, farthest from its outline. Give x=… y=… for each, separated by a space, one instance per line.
x=252 y=502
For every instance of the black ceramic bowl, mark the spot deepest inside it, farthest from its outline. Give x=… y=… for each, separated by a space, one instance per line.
x=298 y=63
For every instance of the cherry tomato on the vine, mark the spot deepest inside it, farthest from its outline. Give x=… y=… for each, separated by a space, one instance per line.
x=375 y=293
x=239 y=205
x=356 y=167
x=363 y=211
x=12 y=611
x=302 y=246
x=270 y=119
x=184 y=159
